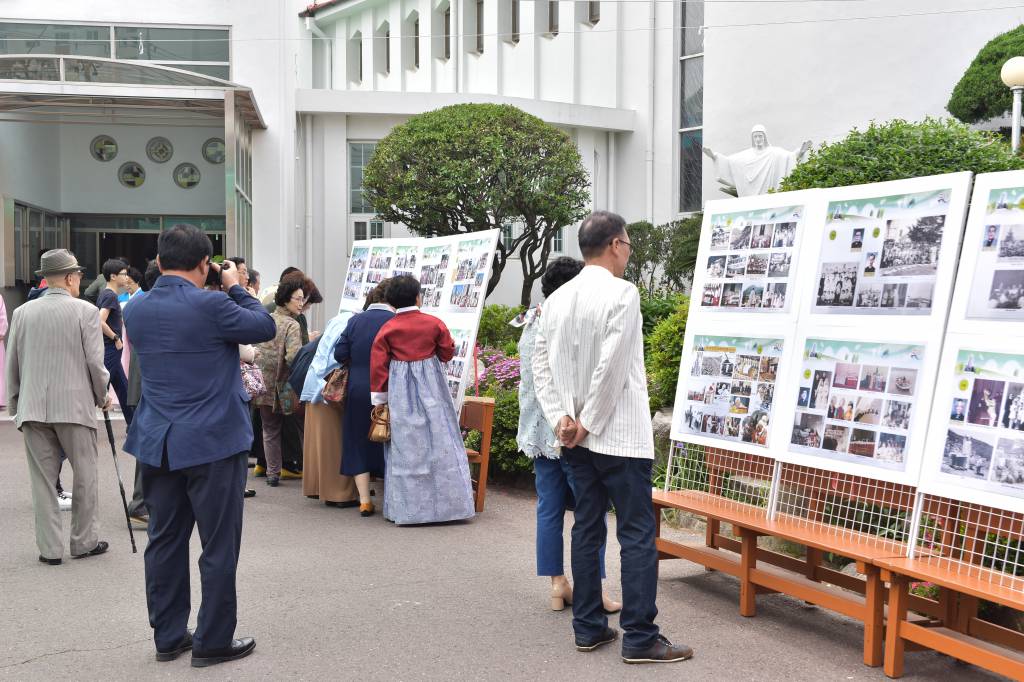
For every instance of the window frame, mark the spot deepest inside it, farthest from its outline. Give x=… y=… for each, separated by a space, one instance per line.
x=593 y=12
x=682 y=131
x=553 y=27
x=478 y=23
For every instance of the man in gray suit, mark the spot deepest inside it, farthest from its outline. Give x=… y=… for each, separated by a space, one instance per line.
x=56 y=346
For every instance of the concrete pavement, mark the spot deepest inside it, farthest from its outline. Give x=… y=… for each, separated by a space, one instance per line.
x=330 y=595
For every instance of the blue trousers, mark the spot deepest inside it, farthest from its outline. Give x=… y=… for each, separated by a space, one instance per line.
x=555 y=489
x=112 y=361
x=626 y=482
x=208 y=496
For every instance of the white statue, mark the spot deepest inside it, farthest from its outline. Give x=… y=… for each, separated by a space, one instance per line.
x=758 y=169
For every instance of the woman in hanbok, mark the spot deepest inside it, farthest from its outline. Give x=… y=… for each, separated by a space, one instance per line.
x=426 y=478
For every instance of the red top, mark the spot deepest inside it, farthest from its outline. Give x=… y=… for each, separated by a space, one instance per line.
x=409 y=336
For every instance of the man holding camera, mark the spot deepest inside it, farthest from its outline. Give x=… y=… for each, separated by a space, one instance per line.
x=191 y=433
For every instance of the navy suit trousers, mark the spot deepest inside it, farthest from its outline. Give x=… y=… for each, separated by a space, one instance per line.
x=208 y=496
x=626 y=482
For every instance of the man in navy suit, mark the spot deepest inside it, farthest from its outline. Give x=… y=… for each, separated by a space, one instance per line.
x=191 y=434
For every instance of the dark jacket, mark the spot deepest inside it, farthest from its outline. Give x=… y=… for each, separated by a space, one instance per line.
x=187 y=341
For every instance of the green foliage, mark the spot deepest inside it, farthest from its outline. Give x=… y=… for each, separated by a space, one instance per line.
x=664 y=353
x=682 y=241
x=654 y=309
x=473 y=167
x=897 y=149
x=648 y=252
x=495 y=330
x=505 y=455
x=663 y=256
x=981 y=95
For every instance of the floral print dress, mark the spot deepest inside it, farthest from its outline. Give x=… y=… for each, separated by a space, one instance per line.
x=536 y=437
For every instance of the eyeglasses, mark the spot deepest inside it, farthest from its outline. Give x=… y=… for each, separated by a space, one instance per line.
x=123 y=273
x=299 y=299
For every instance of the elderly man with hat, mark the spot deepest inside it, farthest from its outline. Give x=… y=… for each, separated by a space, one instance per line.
x=56 y=379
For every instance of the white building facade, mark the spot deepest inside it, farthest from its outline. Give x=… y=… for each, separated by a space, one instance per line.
x=639 y=85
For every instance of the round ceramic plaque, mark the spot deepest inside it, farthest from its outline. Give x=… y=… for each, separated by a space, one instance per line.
x=186 y=175
x=159 y=150
x=103 y=148
x=131 y=174
x=213 y=150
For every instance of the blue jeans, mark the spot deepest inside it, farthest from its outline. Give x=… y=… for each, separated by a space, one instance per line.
x=554 y=489
x=627 y=483
x=112 y=361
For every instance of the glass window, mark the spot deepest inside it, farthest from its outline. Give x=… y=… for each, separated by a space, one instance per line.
x=376 y=229
x=359 y=230
x=553 y=17
x=87 y=41
x=594 y=12
x=515 y=21
x=29 y=69
x=90 y=71
x=121 y=222
x=558 y=242
x=693 y=19
x=507 y=235
x=215 y=70
x=690 y=171
x=363 y=230
x=204 y=223
x=480 y=26
x=387 y=51
x=359 y=154
x=692 y=109
x=172 y=44
x=448 y=32
x=416 y=42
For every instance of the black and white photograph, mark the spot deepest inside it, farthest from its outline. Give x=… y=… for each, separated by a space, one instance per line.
x=742 y=388
x=807 y=430
x=803 y=397
x=837 y=284
x=736 y=267
x=1012 y=244
x=1013 y=412
x=902 y=381
x=919 y=294
x=990 y=238
x=819 y=389
x=778 y=264
x=752 y=295
x=894 y=295
x=1007 y=290
x=964 y=455
x=757 y=264
x=873 y=378
x=911 y=247
x=868 y=411
x=732 y=295
x=1008 y=464
x=716 y=267
x=857 y=240
x=747 y=367
x=785 y=235
x=775 y=296
x=892 y=447
x=869 y=296
x=732 y=426
x=862 y=443
x=870 y=264
x=765 y=393
x=740 y=238
x=986 y=399
x=836 y=438
x=719 y=238
x=897 y=415
x=762 y=237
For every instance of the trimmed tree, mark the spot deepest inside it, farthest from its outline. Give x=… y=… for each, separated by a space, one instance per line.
x=896 y=149
x=474 y=167
x=981 y=95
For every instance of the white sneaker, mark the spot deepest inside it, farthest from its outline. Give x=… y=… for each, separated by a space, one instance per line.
x=64 y=501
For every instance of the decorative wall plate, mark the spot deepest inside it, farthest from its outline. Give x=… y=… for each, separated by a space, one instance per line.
x=186 y=175
x=103 y=148
x=131 y=174
x=213 y=150
x=159 y=150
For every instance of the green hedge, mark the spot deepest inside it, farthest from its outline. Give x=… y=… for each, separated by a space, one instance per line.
x=664 y=349
x=981 y=95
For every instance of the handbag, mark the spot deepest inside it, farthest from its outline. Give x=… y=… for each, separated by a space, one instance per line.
x=380 y=424
x=300 y=365
x=336 y=387
x=252 y=380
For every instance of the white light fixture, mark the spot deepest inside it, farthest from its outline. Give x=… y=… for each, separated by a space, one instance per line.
x=1012 y=74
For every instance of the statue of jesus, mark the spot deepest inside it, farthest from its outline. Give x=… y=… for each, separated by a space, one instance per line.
x=758 y=169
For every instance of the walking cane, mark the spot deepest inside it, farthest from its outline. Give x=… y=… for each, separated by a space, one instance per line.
x=120 y=484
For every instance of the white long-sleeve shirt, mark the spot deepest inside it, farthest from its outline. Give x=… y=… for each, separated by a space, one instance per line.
x=588 y=363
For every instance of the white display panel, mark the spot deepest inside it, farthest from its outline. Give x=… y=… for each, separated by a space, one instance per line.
x=975 y=446
x=748 y=257
x=887 y=249
x=989 y=296
x=453 y=273
x=859 y=401
x=729 y=383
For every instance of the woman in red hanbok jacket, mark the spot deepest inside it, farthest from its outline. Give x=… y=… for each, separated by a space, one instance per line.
x=426 y=477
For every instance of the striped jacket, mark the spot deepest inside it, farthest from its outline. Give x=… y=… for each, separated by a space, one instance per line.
x=55 y=371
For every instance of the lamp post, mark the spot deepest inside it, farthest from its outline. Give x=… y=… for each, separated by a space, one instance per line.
x=1012 y=74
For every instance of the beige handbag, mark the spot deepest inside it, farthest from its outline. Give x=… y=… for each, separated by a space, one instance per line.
x=380 y=424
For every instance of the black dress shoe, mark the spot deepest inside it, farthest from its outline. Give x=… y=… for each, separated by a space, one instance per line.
x=609 y=635
x=240 y=648
x=100 y=548
x=183 y=646
x=52 y=562
x=343 y=505
x=249 y=492
x=662 y=651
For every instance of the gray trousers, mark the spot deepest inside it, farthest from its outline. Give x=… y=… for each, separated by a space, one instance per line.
x=43 y=445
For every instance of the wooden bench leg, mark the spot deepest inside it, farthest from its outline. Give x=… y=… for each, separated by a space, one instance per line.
x=894 y=645
x=965 y=612
x=714 y=527
x=748 y=561
x=874 y=614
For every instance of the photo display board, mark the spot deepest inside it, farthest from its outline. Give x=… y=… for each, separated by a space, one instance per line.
x=748 y=254
x=726 y=393
x=860 y=405
x=889 y=249
x=975 y=448
x=453 y=273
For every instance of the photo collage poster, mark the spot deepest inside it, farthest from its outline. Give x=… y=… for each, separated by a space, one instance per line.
x=453 y=273
x=997 y=289
x=880 y=255
x=856 y=401
x=983 y=445
x=750 y=260
x=729 y=391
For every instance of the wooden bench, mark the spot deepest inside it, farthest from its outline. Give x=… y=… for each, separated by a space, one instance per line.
x=478 y=415
x=959 y=552
x=813 y=506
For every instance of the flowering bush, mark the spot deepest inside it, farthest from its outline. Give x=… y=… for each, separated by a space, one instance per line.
x=500 y=380
x=500 y=369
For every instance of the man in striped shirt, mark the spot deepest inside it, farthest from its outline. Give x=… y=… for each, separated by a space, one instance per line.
x=589 y=369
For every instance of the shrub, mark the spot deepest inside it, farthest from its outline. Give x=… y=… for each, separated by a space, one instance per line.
x=897 y=149
x=500 y=381
x=981 y=95
x=663 y=257
x=664 y=353
x=495 y=330
x=657 y=308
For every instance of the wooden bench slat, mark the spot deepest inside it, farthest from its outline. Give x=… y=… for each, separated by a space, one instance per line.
x=978 y=652
x=924 y=570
